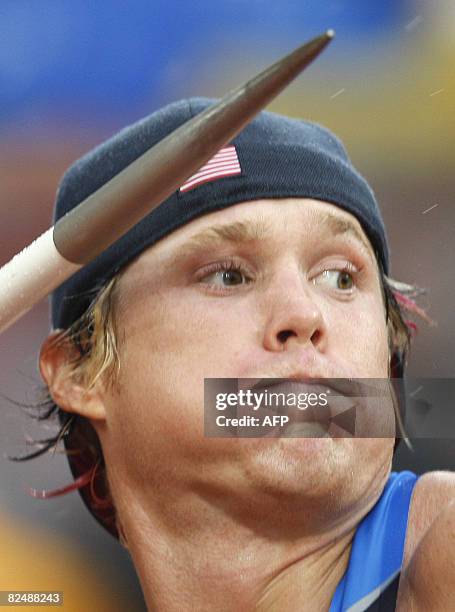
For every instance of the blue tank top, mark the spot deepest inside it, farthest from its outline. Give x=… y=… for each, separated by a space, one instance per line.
x=377 y=549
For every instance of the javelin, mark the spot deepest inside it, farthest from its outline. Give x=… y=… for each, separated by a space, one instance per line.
x=108 y=213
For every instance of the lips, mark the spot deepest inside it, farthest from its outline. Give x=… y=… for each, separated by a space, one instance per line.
x=350 y=409
x=302 y=405
x=315 y=418
x=347 y=387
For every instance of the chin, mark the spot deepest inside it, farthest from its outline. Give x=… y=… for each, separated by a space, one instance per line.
x=302 y=465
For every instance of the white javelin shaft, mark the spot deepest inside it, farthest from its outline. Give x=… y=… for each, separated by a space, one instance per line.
x=30 y=276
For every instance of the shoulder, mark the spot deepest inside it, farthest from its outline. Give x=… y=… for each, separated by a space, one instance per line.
x=428 y=580
x=440 y=484
x=432 y=493
x=429 y=560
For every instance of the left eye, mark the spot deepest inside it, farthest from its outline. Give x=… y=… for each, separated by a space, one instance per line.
x=337 y=279
x=226 y=278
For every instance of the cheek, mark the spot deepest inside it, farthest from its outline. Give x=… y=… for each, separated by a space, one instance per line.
x=183 y=332
x=171 y=343
x=358 y=334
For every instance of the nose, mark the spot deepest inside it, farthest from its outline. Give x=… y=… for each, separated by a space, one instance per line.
x=293 y=314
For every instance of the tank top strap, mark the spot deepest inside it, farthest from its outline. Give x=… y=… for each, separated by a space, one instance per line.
x=378 y=546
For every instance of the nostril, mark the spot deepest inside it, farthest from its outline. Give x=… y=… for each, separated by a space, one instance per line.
x=284 y=335
x=316 y=337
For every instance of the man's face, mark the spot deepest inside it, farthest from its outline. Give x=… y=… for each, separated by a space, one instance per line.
x=273 y=288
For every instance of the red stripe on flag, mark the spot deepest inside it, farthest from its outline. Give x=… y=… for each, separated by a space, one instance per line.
x=223 y=163
x=213 y=168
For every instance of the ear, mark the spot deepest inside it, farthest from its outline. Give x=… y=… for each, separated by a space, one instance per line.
x=67 y=392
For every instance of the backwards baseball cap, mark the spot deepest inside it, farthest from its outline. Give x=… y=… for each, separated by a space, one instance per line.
x=272 y=157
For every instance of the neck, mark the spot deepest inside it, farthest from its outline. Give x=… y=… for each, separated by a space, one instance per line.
x=202 y=557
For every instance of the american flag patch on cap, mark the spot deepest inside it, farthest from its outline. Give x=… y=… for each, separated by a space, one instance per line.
x=223 y=163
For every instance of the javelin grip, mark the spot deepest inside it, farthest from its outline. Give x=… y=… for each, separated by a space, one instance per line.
x=30 y=276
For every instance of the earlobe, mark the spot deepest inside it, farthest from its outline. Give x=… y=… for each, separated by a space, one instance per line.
x=56 y=360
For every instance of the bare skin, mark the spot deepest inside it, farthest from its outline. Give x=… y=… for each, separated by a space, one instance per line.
x=238 y=524
x=428 y=574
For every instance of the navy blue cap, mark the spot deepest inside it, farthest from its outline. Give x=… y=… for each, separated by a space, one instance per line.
x=279 y=157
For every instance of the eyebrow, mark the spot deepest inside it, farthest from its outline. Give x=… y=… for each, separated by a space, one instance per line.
x=242 y=232
x=343 y=226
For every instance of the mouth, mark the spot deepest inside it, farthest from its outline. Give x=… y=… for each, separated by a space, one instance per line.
x=330 y=415
x=347 y=387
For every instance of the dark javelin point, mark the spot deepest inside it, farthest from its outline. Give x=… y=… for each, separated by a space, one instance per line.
x=107 y=214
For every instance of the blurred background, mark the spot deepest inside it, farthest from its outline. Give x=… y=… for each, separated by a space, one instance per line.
x=73 y=73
